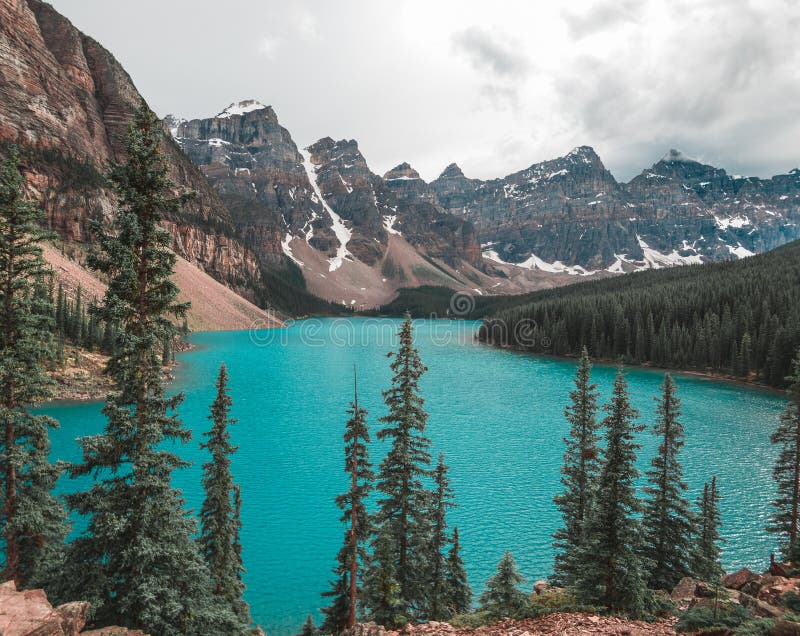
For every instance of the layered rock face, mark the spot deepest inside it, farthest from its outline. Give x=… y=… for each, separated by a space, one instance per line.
x=571 y=212
x=325 y=194
x=67 y=103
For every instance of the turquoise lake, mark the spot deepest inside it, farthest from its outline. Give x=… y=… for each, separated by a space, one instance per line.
x=496 y=415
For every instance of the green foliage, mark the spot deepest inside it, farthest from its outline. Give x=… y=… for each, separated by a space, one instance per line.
x=382 y=593
x=403 y=505
x=309 y=629
x=33 y=522
x=733 y=317
x=220 y=521
x=580 y=468
x=666 y=519
x=704 y=560
x=502 y=596
x=705 y=617
x=785 y=518
x=458 y=589
x=439 y=596
x=341 y=613
x=791 y=600
x=611 y=570
x=136 y=560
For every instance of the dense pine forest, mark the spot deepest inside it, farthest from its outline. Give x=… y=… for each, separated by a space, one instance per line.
x=739 y=318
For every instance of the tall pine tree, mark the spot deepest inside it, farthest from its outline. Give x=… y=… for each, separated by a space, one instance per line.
x=136 y=560
x=404 y=503
x=611 y=572
x=33 y=522
x=581 y=465
x=220 y=515
x=786 y=515
x=341 y=613
x=704 y=561
x=666 y=520
x=458 y=590
x=438 y=585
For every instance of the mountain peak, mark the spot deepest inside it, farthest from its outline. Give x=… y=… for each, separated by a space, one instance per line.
x=582 y=150
x=676 y=155
x=241 y=108
x=451 y=171
x=403 y=171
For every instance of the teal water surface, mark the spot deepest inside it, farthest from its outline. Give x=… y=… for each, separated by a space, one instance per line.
x=496 y=415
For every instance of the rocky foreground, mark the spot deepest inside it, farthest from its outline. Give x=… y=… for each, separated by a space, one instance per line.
x=29 y=613
x=766 y=595
x=561 y=624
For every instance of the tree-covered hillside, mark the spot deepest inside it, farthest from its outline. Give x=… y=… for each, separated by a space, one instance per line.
x=740 y=317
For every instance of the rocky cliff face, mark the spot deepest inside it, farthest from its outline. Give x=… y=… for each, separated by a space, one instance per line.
x=571 y=215
x=326 y=194
x=67 y=103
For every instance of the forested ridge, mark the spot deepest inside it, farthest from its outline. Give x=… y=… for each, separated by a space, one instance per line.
x=740 y=318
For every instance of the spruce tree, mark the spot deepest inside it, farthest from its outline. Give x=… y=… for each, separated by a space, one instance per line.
x=581 y=464
x=404 y=502
x=611 y=571
x=219 y=514
x=666 y=520
x=502 y=596
x=136 y=560
x=33 y=522
x=382 y=600
x=308 y=629
x=786 y=472
x=341 y=613
x=459 y=592
x=704 y=562
x=438 y=588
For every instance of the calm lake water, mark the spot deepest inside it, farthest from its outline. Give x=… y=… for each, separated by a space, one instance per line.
x=496 y=415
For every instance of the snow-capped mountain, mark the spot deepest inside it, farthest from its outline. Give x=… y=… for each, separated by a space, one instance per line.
x=570 y=214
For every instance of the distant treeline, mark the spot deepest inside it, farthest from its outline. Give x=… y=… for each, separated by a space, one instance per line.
x=737 y=317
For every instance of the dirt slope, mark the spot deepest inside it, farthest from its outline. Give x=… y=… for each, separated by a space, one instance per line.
x=214 y=306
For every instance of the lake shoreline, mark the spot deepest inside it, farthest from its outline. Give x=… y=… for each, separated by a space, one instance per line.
x=693 y=373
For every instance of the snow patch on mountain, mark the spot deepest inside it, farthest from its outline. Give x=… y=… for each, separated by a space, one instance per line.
x=240 y=108
x=739 y=251
x=737 y=222
x=657 y=260
x=288 y=250
x=534 y=262
x=388 y=224
x=342 y=232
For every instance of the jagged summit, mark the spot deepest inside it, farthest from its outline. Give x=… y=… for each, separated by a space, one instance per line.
x=453 y=170
x=241 y=108
x=582 y=150
x=403 y=171
x=676 y=155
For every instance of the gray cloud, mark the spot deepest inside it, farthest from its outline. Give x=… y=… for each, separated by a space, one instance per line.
x=601 y=16
x=490 y=51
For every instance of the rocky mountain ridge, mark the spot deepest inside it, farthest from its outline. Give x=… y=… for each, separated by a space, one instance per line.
x=570 y=214
x=559 y=219
x=323 y=208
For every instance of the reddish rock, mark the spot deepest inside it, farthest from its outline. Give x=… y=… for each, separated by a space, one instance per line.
x=736 y=580
x=29 y=613
x=774 y=587
x=67 y=102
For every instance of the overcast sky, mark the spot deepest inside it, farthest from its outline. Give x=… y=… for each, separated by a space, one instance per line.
x=493 y=86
